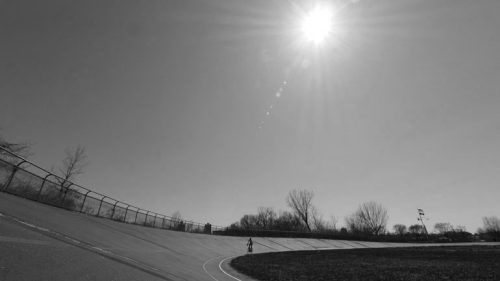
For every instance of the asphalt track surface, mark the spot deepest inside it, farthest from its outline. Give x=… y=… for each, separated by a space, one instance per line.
x=41 y=242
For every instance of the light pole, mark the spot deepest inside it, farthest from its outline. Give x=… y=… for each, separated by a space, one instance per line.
x=420 y=218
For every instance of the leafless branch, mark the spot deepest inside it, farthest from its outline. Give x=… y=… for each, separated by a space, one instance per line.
x=300 y=202
x=73 y=165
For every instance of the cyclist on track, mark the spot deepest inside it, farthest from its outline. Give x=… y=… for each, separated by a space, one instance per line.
x=250 y=245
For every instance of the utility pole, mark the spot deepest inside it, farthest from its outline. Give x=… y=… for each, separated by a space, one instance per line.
x=421 y=219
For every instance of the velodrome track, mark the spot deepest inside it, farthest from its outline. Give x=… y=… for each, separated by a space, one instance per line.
x=47 y=243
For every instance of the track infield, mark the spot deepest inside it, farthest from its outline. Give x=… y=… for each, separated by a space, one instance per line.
x=415 y=263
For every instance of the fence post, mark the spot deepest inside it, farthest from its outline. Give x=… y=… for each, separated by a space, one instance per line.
x=100 y=205
x=113 y=212
x=126 y=211
x=66 y=192
x=146 y=220
x=136 y=213
x=83 y=203
x=154 y=221
x=12 y=175
x=41 y=187
x=163 y=222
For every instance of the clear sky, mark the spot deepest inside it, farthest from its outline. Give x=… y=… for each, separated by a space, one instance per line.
x=172 y=100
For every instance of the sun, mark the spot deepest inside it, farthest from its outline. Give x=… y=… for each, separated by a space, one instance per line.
x=317 y=25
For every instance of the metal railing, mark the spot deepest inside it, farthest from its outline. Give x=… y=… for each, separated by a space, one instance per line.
x=23 y=178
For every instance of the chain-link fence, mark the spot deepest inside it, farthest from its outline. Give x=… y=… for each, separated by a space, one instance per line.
x=23 y=178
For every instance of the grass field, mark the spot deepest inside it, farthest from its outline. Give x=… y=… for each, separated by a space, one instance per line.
x=420 y=263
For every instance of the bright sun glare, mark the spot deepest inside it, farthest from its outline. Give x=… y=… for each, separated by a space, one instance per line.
x=317 y=24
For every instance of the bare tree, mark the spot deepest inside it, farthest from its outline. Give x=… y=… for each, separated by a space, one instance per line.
x=72 y=166
x=248 y=222
x=266 y=217
x=491 y=224
x=443 y=227
x=354 y=224
x=176 y=216
x=235 y=226
x=491 y=229
x=176 y=222
x=287 y=221
x=22 y=149
x=300 y=202
x=400 y=229
x=332 y=224
x=318 y=222
x=371 y=217
x=416 y=229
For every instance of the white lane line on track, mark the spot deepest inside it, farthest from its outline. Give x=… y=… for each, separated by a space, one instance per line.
x=32 y=225
x=223 y=271
x=220 y=267
x=72 y=240
x=204 y=268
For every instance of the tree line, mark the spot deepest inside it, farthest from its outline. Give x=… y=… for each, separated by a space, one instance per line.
x=369 y=219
